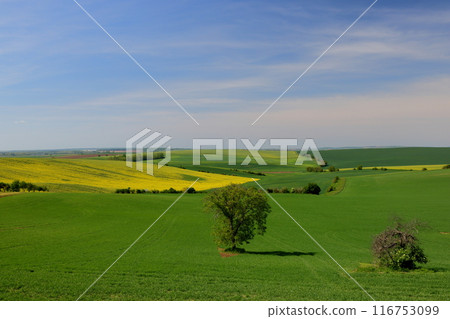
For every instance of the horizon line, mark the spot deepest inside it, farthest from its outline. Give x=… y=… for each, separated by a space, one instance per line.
x=103 y=149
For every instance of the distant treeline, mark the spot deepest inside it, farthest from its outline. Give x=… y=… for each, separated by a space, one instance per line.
x=248 y=172
x=311 y=188
x=18 y=186
x=49 y=153
x=319 y=169
x=123 y=157
x=153 y=191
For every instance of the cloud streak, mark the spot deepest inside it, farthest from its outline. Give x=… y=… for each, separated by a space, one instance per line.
x=225 y=62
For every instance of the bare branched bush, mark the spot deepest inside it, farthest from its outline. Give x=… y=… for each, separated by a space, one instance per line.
x=398 y=247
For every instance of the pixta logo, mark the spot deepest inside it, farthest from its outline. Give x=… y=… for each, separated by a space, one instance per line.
x=253 y=149
x=144 y=140
x=142 y=146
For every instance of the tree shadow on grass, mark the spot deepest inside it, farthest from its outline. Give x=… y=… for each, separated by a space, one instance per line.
x=281 y=253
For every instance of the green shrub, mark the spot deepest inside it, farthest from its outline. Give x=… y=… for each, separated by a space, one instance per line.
x=406 y=258
x=312 y=188
x=314 y=169
x=191 y=190
x=170 y=191
x=4 y=187
x=15 y=186
x=335 y=180
x=331 y=188
x=18 y=186
x=297 y=190
x=285 y=190
x=446 y=166
x=397 y=247
x=359 y=167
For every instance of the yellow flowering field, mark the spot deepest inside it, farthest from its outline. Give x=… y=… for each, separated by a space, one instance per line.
x=87 y=175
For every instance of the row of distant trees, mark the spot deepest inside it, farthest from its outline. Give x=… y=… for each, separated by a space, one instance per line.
x=123 y=157
x=311 y=188
x=153 y=191
x=319 y=169
x=21 y=186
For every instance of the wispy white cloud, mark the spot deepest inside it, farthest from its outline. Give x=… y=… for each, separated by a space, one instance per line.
x=392 y=67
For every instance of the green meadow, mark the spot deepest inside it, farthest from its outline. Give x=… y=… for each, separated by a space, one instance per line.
x=387 y=156
x=54 y=245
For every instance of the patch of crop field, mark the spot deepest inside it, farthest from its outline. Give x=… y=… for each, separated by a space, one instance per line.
x=394 y=158
x=54 y=245
x=302 y=178
x=183 y=158
x=344 y=158
x=85 y=175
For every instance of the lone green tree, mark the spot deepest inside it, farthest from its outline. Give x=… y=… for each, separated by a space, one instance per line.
x=239 y=214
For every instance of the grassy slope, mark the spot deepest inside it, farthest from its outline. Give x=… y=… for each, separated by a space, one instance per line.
x=184 y=158
x=299 y=179
x=296 y=176
x=292 y=175
x=387 y=156
x=57 y=249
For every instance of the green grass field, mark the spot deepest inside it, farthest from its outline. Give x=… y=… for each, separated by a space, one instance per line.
x=387 y=156
x=54 y=245
x=272 y=159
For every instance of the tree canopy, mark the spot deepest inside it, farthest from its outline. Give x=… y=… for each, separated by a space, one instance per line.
x=239 y=214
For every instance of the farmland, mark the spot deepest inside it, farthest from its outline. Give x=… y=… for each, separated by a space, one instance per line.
x=387 y=156
x=54 y=245
x=88 y=175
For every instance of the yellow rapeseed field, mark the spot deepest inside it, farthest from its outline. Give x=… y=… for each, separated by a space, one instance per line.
x=88 y=175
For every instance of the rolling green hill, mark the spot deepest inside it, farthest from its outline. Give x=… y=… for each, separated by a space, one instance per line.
x=387 y=156
x=53 y=246
x=272 y=159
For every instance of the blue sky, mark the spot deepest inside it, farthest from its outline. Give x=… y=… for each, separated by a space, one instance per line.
x=64 y=83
